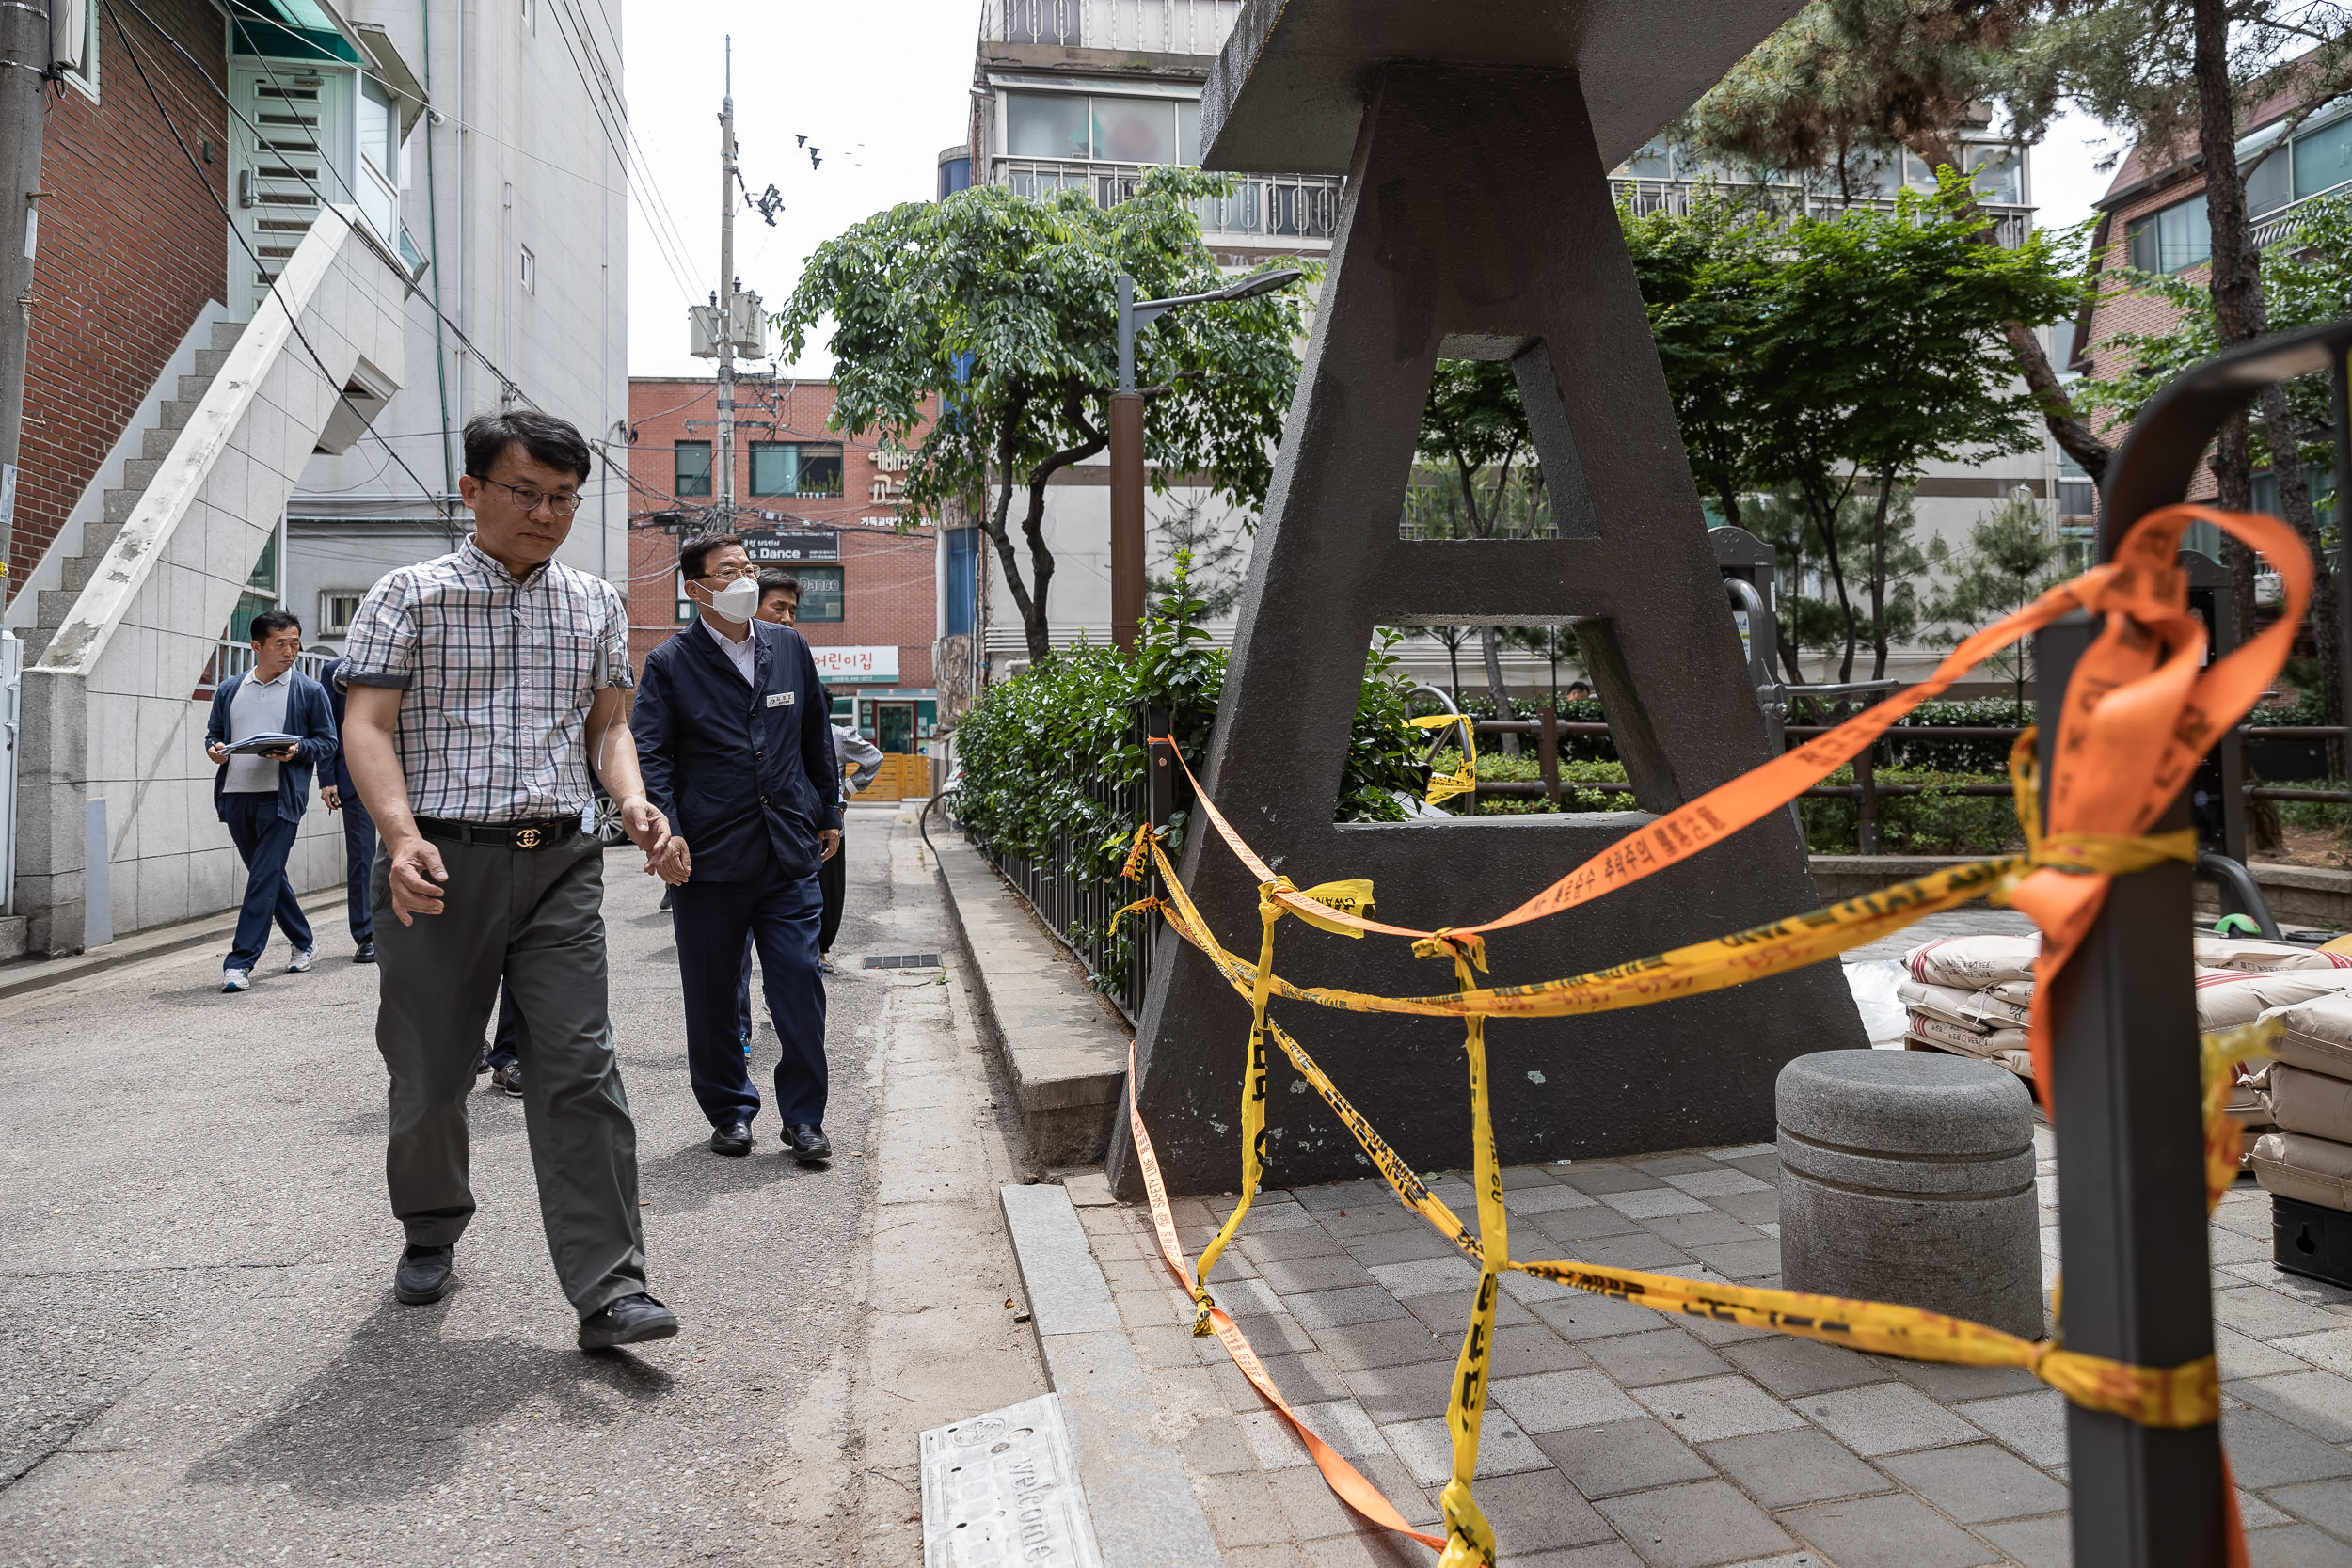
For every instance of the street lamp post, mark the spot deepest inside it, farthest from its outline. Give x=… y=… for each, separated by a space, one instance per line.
x=1127 y=438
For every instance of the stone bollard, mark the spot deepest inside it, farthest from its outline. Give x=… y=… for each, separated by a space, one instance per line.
x=1908 y=1177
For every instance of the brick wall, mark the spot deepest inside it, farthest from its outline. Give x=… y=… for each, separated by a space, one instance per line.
x=131 y=249
x=888 y=577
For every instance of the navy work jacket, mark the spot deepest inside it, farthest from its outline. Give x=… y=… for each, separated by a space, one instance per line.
x=336 y=770
x=744 y=772
x=308 y=715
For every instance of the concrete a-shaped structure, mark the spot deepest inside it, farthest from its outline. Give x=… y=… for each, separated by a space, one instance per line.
x=1477 y=224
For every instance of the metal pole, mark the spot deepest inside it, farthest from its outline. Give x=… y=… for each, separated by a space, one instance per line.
x=25 y=56
x=1126 y=481
x=2126 y=1105
x=724 y=492
x=1547 y=752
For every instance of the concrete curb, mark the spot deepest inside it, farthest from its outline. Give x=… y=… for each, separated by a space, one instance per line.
x=31 y=975
x=1067 y=1056
x=1146 y=1514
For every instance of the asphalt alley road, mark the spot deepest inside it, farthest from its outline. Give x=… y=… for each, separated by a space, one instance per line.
x=200 y=1358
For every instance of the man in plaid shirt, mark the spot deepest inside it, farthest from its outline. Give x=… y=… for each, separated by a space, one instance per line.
x=480 y=687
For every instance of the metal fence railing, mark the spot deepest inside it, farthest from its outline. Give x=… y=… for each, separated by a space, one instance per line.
x=2010 y=224
x=1149 y=27
x=1299 y=207
x=1549 y=732
x=1078 y=909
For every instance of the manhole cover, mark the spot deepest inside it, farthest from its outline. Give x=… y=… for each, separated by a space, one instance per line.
x=904 y=961
x=1002 y=1489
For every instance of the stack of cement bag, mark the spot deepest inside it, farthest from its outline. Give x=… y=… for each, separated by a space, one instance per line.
x=2307 y=1097
x=1973 y=997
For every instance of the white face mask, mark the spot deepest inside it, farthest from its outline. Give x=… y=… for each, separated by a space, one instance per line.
x=738 y=601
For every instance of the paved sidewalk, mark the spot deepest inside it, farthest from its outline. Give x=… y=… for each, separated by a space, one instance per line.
x=200 y=1362
x=1621 y=1437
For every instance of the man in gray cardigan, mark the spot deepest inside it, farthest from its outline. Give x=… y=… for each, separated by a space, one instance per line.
x=261 y=795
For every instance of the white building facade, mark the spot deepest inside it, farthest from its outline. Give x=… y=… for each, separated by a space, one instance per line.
x=499 y=161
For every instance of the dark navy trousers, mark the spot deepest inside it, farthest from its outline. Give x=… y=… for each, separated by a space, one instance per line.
x=780 y=916
x=264 y=840
x=359 y=856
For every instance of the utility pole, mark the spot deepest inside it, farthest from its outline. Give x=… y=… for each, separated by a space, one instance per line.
x=26 y=55
x=724 y=299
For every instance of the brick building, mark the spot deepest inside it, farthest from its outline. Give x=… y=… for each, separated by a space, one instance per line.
x=131 y=253
x=813 y=503
x=2152 y=218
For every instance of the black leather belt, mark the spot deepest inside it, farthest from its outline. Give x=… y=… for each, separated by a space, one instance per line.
x=544 y=834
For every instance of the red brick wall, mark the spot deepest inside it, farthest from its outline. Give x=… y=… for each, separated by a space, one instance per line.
x=131 y=249
x=888 y=577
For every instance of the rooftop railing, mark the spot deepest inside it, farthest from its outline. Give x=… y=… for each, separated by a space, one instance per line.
x=2284 y=225
x=2010 y=224
x=1147 y=26
x=1300 y=207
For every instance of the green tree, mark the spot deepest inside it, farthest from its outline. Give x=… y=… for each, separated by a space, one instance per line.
x=1812 y=622
x=1002 y=307
x=1882 y=354
x=2011 y=558
x=1218 y=555
x=1475 y=426
x=1859 y=76
x=1845 y=83
x=1704 y=276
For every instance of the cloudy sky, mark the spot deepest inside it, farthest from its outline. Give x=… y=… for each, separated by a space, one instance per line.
x=880 y=87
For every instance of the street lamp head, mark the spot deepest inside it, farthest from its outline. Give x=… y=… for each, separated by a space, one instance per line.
x=1259 y=283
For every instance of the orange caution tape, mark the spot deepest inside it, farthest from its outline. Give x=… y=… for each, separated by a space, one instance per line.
x=2140 y=709
x=1345 y=1479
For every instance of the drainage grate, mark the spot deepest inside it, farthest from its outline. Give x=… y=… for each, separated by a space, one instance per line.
x=904 y=961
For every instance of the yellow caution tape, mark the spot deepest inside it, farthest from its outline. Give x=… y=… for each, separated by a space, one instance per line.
x=1463 y=780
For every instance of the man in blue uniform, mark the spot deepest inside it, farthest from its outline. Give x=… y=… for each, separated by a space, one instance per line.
x=732 y=734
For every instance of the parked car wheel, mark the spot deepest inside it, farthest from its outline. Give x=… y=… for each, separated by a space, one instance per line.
x=606 y=823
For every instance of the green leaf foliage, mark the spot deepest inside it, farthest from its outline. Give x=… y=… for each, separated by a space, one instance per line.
x=1002 y=308
x=1042 y=750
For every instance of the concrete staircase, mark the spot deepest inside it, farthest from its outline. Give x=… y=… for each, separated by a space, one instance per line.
x=55 y=604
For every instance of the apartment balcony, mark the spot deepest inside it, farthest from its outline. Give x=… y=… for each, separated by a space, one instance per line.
x=1135 y=26
x=1263 y=207
x=2283 y=226
x=2010 y=224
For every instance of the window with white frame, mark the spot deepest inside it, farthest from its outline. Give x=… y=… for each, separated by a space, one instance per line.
x=527 y=271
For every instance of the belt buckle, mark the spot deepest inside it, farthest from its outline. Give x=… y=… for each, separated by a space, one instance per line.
x=528 y=838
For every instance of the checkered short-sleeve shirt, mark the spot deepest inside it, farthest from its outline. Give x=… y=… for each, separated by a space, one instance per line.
x=497 y=676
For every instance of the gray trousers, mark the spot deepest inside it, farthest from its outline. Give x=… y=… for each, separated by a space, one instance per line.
x=536 y=917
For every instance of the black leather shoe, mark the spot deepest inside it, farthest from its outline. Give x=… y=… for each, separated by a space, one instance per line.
x=733 y=1138
x=509 y=1078
x=422 y=1277
x=808 y=1144
x=366 y=954
x=631 y=1320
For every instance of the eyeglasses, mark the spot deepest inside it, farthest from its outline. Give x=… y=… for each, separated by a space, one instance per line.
x=561 y=502
x=729 y=573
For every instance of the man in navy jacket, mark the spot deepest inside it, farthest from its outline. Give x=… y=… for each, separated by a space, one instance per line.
x=733 y=739
x=262 y=796
x=341 y=795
